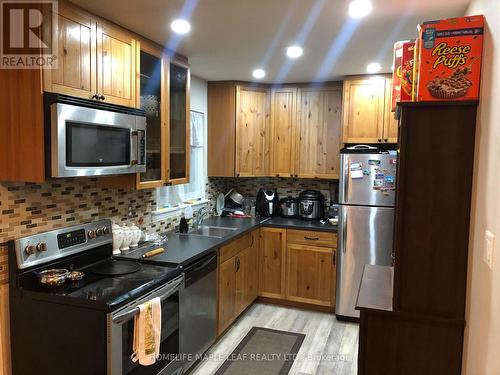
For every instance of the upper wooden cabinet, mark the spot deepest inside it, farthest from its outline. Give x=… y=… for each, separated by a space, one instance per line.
x=283 y=128
x=96 y=59
x=366 y=111
x=221 y=135
x=116 y=64
x=291 y=131
x=391 y=125
x=252 y=127
x=76 y=48
x=179 y=125
x=152 y=95
x=318 y=142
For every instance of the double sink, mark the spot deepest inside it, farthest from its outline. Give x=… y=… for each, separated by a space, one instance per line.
x=209 y=231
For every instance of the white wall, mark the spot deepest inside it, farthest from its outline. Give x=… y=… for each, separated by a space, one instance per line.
x=198 y=95
x=482 y=336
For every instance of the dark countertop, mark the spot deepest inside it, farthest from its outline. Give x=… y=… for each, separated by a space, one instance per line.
x=183 y=249
x=283 y=222
x=376 y=288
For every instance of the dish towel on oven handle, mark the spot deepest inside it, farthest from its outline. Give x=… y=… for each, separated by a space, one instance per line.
x=147 y=333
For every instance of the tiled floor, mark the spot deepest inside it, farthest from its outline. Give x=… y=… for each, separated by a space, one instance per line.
x=330 y=347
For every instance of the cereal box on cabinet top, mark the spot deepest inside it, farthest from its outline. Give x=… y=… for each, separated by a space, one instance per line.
x=450 y=59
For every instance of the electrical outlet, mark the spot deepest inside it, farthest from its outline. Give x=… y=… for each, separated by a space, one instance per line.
x=489 y=246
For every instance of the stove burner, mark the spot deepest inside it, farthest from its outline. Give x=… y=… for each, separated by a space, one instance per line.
x=115 y=268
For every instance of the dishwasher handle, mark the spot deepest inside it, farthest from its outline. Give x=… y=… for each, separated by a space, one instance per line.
x=200 y=269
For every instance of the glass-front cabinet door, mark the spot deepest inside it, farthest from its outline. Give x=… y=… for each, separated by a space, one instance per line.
x=153 y=98
x=179 y=123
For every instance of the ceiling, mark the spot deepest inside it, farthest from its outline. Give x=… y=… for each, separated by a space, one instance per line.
x=230 y=38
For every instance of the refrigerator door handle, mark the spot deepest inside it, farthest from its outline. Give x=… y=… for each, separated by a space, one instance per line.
x=344 y=180
x=343 y=228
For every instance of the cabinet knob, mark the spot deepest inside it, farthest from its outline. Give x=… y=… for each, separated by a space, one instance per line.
x=380 y=139
x=102 y=97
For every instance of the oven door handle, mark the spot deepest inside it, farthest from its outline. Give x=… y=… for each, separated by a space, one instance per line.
x=127 y=315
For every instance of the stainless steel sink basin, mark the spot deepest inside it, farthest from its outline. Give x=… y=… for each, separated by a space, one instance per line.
x=210 y=231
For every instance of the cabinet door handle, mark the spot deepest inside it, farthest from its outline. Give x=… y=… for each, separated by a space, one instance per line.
x=334 y=257
x=311 y=238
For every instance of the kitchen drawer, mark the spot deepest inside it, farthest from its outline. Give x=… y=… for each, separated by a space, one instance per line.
x=305 y=237
x=228 y=251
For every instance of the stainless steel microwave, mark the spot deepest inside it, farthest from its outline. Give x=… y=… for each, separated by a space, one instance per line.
x=88 y=138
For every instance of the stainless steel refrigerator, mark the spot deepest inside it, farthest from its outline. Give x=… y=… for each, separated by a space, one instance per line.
x=366 y=220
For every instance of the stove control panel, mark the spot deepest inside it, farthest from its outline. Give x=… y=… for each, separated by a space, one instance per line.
x=48 y=246
x=71 y=238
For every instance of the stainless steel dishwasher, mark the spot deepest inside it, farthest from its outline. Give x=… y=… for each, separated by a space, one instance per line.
x=198 y=309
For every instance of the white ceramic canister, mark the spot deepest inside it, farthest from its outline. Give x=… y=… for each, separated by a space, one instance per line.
x=117 y=237
x=127 y=238
x=136 y=235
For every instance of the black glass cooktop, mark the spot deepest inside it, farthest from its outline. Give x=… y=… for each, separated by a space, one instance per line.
x=108 y=284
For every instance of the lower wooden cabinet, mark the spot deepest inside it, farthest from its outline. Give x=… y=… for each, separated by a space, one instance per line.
x=310 y=272
x=272 y=262
x=298 y=266
x=276 y=263
x=5 y=365
x=238 y=278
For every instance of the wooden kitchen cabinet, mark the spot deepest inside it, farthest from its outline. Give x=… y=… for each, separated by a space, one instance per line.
x=179 y=124
x=311 y=274
x=272 y=262
x=238 y=130
x=318 y=135
x=97 y=59
x=116 y=64
x=76 y=37
x=367 y=116
x=5 y=363
x=152 y=97
x=252 y=127
x=238 y=278
x=391 y=124
x=221 y=135
x=227 y=294
x=311 y=267
x=282 y=133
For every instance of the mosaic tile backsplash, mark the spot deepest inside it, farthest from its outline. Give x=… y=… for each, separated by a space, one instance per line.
x=31 y=208
x=27 y=209
x=249 y=187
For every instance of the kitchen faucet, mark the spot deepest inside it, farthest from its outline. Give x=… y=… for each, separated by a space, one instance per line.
x=200 y=215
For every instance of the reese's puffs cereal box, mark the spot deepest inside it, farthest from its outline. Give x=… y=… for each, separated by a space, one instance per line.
x=449 y=58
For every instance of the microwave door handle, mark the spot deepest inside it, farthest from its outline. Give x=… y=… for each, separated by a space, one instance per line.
x=134 y=147
x=127 y=315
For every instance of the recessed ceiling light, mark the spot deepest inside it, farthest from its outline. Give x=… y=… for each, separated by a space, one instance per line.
x=373 y=68
x=180 y=26
x=259 y=73
x=360 y=8
x=294 y=52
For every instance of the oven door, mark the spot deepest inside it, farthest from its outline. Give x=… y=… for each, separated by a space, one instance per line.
x=93 y=142
x=121 y=333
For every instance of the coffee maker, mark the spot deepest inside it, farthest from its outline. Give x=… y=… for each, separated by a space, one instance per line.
x=267 y=203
